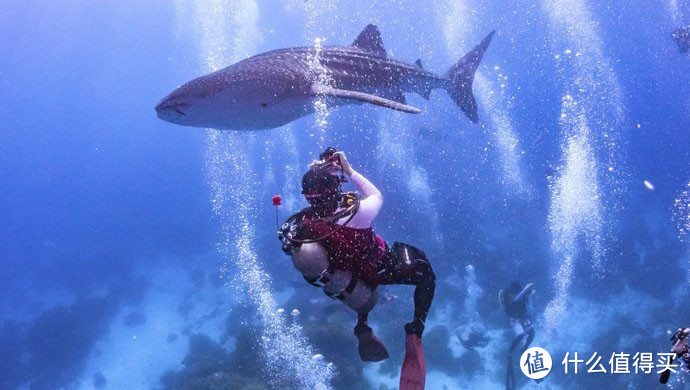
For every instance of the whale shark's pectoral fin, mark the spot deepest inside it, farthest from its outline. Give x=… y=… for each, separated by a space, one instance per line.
x=363 y=97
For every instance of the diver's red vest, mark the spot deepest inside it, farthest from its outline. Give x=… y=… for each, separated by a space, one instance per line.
x=359 y=251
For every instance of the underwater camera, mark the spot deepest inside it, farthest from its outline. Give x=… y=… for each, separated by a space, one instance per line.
x=328 y=159
x=328 y=153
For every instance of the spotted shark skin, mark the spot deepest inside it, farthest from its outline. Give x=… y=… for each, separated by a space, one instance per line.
x=274 y=88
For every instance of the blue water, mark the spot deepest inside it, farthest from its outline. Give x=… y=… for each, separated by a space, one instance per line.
x=137 y=254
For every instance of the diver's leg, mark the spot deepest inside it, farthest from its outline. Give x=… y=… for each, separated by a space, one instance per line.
x=522 y=328
x=370 y=347
x=530 y=337
x=406 y=264
x=525 y=334
x=516 y=341
x=362 y=325
x=425 y=286
x=510 y=376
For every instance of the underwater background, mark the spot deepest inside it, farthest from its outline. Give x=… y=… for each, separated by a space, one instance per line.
x=136 y=254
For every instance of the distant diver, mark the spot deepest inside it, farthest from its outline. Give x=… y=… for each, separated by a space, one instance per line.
x=277 y=87
x=514 y=302
x=682 y=38
x=681 y=348
x=475 y=339
x=334 y=246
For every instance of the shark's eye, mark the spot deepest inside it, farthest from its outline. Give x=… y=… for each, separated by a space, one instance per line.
x=264 y=105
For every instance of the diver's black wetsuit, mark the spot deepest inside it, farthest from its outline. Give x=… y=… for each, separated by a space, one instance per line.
x=514 y=304
x=682 y=38
x=405 y=264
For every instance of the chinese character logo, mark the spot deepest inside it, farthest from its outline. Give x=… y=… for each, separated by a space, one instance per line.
x=535 y=363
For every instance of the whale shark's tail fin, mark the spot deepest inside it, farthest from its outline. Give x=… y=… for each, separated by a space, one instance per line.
x=461 y=76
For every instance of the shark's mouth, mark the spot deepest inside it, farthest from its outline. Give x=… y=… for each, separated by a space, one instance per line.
x=170 y=108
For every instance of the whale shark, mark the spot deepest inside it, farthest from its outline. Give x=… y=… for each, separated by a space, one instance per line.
x=274 y=88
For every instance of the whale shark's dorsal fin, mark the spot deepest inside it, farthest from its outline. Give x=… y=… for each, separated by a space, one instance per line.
x=419 y=63
x=320 y=89
x=370 y=40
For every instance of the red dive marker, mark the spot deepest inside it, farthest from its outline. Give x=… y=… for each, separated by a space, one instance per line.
x=276 y=202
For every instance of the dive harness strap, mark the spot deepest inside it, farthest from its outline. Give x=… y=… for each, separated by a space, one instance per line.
x=325 y=277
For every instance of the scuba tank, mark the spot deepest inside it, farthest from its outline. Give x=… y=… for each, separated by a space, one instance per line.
x=311 y=260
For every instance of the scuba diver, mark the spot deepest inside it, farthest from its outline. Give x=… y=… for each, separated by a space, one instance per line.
x=514 y=301
x=681 y=347
x=475 y=339
x=682 y=38
x=333 y=245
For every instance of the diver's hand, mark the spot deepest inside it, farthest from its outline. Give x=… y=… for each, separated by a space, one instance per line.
x=679 y=347
x=347 y=168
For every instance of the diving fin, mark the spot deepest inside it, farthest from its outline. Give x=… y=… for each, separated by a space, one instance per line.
x=413 y=374
x=320 y=89
x=371 y=348
x=666 y=374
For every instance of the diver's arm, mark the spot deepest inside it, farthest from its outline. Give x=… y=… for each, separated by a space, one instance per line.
x=681 y=345
x=369 y=206
x=524 y=293
x=366 y=187
x=372 y=199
